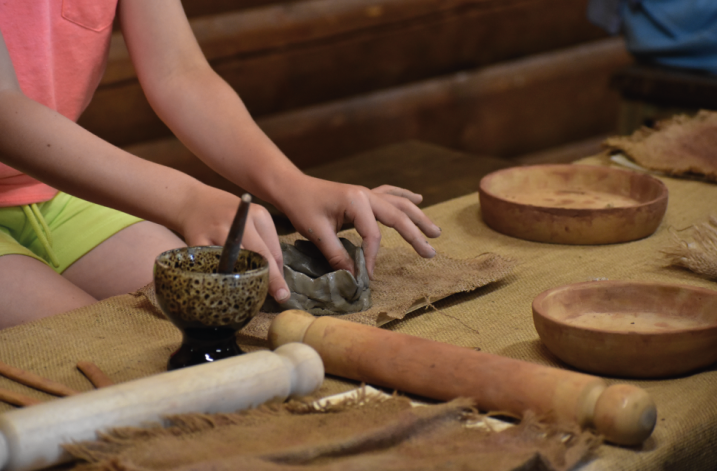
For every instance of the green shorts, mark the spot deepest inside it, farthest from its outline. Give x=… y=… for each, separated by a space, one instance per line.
x=60 y=231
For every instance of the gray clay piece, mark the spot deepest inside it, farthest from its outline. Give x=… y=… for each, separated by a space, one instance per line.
x=317 y=288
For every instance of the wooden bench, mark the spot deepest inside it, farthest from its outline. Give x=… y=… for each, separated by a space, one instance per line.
x=329 y=78
x=650 y=93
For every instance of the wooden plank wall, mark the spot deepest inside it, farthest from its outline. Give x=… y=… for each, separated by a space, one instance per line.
x=506 y=110
x=329 y=78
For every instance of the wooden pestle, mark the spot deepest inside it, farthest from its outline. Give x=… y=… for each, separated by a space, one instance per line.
x=232 y=246
x=35 y=381
x=31 y=438
x=623 y=414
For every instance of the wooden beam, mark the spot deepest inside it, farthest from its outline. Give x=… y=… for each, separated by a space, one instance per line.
x=194 y=8
x=282 y=57
x=293 y=24
x=505 y=110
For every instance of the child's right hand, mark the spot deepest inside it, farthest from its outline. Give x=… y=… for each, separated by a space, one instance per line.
x=208 y=216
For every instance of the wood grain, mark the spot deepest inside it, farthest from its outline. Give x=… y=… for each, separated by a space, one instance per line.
x=292 y=55
x=96 y=376
x=17 y=399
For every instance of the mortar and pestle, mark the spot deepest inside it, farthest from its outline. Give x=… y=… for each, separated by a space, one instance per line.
x=210 y=293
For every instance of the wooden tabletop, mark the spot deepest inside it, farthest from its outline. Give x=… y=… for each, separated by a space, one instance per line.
x=127 y=338
x=437 y=173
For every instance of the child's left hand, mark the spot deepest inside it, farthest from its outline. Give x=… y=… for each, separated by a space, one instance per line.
x=319 y=208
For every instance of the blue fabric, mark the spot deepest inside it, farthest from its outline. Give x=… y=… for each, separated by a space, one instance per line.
x=676 y=33
x=605 y=14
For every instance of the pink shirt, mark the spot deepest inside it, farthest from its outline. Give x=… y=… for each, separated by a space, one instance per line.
x=59 y=50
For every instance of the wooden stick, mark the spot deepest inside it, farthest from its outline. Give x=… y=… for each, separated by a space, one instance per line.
x=233 y=244
x=94 y=374
x=35 y=381
x=17 y=399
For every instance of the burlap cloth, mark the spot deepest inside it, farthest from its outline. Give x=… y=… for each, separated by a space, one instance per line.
x=127 y=339
x=364 y=433
x=402 y=282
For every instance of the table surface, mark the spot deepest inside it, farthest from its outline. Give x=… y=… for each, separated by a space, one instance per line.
x=496 y=318
x=437 y=173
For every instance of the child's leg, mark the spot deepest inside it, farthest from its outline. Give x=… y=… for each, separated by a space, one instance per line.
x=29 y=290
x=100 y=253
x=123 y=263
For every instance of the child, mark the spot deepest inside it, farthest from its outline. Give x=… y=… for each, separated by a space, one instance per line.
x=59 y=252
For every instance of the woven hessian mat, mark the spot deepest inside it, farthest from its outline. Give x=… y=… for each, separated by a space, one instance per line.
x=126 y=337
x=376 y=434
x=402 y=281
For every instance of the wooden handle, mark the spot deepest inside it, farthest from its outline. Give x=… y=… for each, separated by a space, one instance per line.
x=17 y=399
x=31 y=438
x=96 y=376
x=624 y=414
x=35 y=381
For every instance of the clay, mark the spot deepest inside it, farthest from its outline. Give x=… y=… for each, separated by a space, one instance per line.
x=317 y=288
x=629 y=329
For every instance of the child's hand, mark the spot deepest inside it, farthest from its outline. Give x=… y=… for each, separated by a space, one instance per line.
x=209 y=223
x=319 y=208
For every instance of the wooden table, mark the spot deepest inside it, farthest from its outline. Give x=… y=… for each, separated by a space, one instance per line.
x=498 y=318
x=134 y=340
x=437 y=173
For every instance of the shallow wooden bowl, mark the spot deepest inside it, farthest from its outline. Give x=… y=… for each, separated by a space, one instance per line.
x=629 y=329
x=572 y=204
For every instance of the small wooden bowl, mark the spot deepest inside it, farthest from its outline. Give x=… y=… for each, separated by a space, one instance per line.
x=572 y=204
x=629 y=329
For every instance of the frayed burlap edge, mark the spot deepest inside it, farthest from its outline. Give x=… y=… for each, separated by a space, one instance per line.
x=404 y=281
x=537 y=445
x=698 y=255
x=641 y=147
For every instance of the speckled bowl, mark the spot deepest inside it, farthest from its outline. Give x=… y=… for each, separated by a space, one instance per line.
x=206 y=306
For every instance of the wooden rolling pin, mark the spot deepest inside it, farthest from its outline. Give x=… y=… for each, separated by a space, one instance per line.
x=31 y=438
x=622 y=413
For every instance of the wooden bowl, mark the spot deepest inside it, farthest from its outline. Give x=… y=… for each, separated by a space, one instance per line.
x=629 y=329
x=572 y=204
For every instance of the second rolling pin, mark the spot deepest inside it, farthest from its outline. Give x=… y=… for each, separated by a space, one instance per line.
x=622 y=413
x=32 y=437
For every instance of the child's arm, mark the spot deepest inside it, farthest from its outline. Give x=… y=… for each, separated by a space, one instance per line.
x=42 y=143
x=211 y=120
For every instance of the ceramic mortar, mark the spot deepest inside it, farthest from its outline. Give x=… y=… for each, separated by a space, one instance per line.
x=206 y=306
